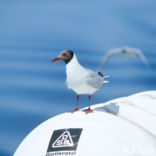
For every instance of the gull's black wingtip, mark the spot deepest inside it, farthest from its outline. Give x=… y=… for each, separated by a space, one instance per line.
x=99 y=73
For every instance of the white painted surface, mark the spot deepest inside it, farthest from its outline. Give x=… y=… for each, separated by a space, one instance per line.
x=120 y=127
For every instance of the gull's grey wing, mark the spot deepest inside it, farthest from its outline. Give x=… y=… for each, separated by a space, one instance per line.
x=94 y=79
x=108 y=56
x=143 y=58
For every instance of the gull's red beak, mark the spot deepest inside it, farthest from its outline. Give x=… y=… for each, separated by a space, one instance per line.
x=55 y=59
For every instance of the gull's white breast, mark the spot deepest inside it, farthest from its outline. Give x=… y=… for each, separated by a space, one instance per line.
x=77 y=78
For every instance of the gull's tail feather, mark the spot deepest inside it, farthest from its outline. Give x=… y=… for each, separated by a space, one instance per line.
x=106 y=76
x=105 y=81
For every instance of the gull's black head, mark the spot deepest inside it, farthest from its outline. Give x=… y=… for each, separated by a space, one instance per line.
x=65 y=55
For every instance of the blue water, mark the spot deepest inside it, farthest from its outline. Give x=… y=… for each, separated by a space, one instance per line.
x=34 y=32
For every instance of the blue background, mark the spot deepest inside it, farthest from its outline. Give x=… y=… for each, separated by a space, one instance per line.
x=32 y=32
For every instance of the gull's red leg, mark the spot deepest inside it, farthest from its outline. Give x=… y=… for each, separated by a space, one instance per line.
x=88 y=110
x=77 y=101
x=89 y=100
x=76 y=109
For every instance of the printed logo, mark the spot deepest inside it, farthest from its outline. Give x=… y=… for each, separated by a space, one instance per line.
x=64 y=142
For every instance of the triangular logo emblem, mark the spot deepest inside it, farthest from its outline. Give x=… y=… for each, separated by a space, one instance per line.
x=64 y=140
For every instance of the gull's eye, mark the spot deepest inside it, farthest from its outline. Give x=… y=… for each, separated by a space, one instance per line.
x=65 y=54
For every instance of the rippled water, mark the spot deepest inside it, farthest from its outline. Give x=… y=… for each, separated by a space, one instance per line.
x=33 y=32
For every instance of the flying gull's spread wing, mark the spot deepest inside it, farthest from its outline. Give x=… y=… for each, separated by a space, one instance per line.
x=143 y=58
x=108 y=56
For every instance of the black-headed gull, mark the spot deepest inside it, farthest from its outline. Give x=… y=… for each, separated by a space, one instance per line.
x=80 y=79
x=127 y=51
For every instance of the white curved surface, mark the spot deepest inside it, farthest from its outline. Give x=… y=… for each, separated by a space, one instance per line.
x=120 y=127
